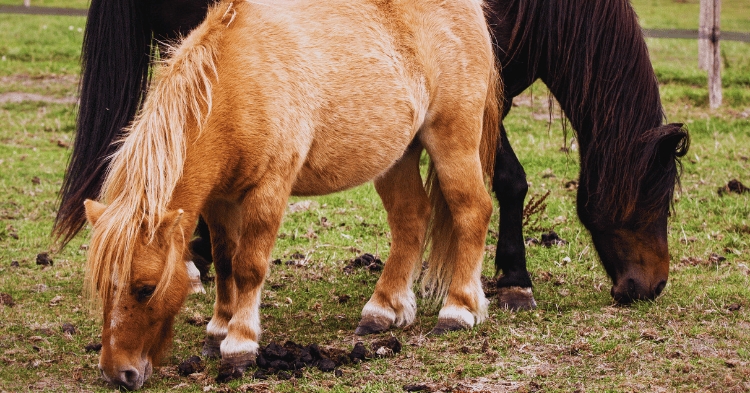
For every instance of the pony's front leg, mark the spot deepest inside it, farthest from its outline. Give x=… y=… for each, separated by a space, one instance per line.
x=223 y=224
x=405 y=200
x=509 y=183
x=263 y=209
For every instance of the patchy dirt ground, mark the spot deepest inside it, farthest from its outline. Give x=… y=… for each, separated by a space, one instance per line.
x=694 y=338
x=20 y=97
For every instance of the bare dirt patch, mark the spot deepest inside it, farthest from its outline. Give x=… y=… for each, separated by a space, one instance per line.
x=58 y=89
x=16 y=97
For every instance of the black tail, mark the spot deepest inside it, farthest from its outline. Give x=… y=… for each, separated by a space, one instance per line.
x=115 y=64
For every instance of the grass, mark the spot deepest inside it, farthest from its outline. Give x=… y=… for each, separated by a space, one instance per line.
x=692 y=338
x=51 y=3
x=683 y=14
x=40 y=45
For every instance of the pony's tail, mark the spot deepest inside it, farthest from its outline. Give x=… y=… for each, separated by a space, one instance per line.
x=115 y=62
x=491 y=125
x=440 y=234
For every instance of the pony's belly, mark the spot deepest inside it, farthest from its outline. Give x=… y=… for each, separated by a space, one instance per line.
x=331 y=169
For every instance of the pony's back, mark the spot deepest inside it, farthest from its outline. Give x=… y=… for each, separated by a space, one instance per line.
x=356 y=68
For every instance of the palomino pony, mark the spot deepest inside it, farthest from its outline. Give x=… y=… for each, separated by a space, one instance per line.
x=263 y=101
x=592 y=56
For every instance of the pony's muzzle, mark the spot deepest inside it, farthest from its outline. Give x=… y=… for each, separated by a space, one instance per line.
x=127 y=377
x=627 y=291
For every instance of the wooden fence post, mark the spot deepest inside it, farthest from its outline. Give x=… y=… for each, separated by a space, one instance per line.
x=709 y=33
x=703 y=35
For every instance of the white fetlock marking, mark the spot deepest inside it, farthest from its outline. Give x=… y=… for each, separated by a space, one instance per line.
x=481 y=313
x=408 y=310
x=194 y=276
x=457 y=314
x=402 y=317
x=373 y=309
x=232 y=346
x=216 y=329
x=475 y=291
x=249 y=318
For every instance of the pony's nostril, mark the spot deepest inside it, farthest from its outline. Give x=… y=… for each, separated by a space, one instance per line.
x=128 y=378
x=625 y=294
x=632 y=290
x=660 y=288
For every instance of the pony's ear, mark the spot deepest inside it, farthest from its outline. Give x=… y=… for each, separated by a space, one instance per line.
x=673 y=140
x=94 y=210
x=172 y=220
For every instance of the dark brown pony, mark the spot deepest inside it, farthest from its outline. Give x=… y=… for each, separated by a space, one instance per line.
x=592 y=56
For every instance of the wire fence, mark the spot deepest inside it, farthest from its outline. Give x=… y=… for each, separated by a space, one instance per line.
x=694 y=35
x=651 y=33
x=20 y=9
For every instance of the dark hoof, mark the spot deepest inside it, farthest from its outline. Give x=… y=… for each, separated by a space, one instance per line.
x=371 y=325
x=228 y=373
x=239 y=362
x=212 y=347
x=447 y=325
x=516 y=298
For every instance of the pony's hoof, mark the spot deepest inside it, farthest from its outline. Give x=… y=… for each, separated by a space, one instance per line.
x=227 y=373
x=212 y=347
x=371 y=324
x=239 y=362
x=447 y=325
x=516 y=298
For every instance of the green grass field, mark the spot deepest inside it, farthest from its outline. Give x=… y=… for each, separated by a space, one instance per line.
x=694 y=338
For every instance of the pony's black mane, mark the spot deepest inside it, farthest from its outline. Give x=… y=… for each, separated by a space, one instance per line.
x=593 y=58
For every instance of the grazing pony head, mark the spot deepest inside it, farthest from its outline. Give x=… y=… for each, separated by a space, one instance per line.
x=142 y=285
x=629 y=227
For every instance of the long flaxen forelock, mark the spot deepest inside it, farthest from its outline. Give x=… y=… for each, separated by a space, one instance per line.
x=147 y=166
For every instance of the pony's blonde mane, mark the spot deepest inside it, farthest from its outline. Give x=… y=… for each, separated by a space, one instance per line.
x=145 y=170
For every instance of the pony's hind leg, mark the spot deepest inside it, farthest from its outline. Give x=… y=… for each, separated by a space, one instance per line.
x=462 y=210
x=223 y=225
x=405 y=200
x=262 y=210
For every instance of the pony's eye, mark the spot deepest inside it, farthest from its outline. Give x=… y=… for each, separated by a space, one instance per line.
x=144 y=293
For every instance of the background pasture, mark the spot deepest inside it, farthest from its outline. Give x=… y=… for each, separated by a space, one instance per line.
x=693 y=338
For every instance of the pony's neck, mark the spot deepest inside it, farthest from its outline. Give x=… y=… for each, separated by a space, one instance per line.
x=594 y=59
x=597 y=67
x=591 y=55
